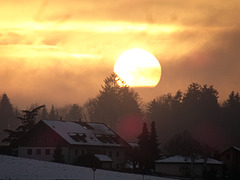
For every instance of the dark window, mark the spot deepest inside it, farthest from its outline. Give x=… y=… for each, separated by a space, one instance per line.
x=76 y=152
x=78 y=137
x=38 y=151
x=110 y=153
x=117 y=154
x=83 y=152
x=115 y=139
x=117 y=166
x=101 y=138
x=47 y=151
x=29 y=151
x=104 y=138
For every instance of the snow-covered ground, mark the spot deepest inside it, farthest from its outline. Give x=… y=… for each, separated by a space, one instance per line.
x=16 y=168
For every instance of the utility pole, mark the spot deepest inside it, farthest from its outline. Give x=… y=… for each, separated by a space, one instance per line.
x=94 y=170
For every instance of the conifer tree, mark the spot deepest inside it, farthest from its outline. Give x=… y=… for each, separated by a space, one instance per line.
x=27 y=120
x=53 y=114
x=7 y=115
x=114 y=102
x=43 y=114
x=74 y=113
x=155 y=152
x=145 y=159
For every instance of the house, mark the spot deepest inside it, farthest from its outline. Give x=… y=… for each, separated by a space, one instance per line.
x=231 y=157
x=75 y=139
x=180 y=166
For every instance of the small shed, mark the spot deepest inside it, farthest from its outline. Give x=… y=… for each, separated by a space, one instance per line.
x=181 y=166
x=105 y=161
x=231 y=158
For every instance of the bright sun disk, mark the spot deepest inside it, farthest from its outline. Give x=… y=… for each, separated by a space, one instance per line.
x=138 y=68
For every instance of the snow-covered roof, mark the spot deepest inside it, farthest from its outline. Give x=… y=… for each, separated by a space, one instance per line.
x=103 y=158
x=237 y=148
x=85 y=133
x=133 y=144
x=182 y=159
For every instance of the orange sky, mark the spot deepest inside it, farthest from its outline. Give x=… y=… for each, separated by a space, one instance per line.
x=59 y=51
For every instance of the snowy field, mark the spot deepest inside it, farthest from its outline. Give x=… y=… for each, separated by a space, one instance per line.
x=15 y=168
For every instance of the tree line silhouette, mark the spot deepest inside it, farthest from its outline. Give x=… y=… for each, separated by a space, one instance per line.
x=195 y=114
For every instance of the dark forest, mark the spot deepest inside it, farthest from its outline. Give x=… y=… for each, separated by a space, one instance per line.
x=194 y=114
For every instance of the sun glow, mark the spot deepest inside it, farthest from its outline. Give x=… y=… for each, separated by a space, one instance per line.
x=138 y=68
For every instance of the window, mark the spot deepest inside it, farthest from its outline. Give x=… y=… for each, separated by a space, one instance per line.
x=78 y=137
x=115 y=139
x=76 y=152
x=117 y=154
x=29 y=151
x=38 y=151
x=105 y=138
x=110 y=153
x=101 y=138
x=117 y=166
x=83 y=152
x=47 y=151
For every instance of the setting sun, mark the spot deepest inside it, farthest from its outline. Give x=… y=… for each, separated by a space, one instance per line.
x=138 y=68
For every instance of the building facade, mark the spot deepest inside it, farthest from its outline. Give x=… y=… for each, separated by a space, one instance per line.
x=231 y=157
x=180 y=166
x=75 y=139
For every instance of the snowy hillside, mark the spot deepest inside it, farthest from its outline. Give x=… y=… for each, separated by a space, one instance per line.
x=21 y=169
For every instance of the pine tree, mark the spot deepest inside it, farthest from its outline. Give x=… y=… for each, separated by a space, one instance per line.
x=28 y=120
x=7 y=115
x=53 y=114
x=74 y=113
x=114 y=102
x=43 y=114
x=155 y=152
x=145 y=159
x=231 y=113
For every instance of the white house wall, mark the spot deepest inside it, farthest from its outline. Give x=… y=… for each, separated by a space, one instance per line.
x=23 y=152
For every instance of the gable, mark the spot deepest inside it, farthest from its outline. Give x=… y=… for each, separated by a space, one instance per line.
x=41 y=136
x=231 y=150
